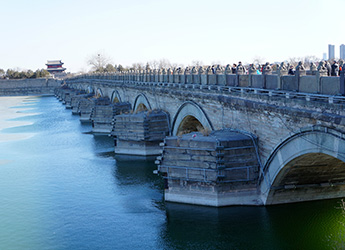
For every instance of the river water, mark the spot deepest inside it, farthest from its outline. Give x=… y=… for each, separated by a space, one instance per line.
x=63 y=188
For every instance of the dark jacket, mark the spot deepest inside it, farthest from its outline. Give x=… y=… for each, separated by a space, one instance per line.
x=335 y=69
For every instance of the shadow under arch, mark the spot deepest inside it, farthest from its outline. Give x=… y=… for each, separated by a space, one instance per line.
x=99 y=93
x=141 y=103
x=188 y=117
x=89 y=90
x=309 y=165
x=115 y=97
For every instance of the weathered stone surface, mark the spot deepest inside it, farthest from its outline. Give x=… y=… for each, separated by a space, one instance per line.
x=258 y=81
x=289 y=83
x=209 y=159
x=146 y=126
x=308 y=84
x=271 y=81
x=330 y=85
x=243 y=80
x=231 y=80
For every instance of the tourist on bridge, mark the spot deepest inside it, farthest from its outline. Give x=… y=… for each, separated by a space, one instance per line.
x=335 y=68
x=233 y=69
x=291 y=70
x=329 y=68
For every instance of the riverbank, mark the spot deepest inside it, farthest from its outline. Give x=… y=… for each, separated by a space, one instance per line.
x=11 y=108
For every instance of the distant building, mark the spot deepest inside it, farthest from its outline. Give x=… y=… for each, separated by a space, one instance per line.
x=55 y=68
x=331 y=54
x=324 y=56
x=342 y=51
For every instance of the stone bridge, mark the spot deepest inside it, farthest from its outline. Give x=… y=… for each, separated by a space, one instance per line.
x=297 y=138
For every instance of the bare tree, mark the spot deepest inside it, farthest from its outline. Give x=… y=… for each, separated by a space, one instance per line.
x=258 y=60
x=98 y=62
x=153 y=64
x=305 y=60
x=137 y=66
x=164 y=63
x=197 y=63
x=310 y=59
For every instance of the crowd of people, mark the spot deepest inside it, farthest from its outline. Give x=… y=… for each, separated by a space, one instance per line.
x=333 y=69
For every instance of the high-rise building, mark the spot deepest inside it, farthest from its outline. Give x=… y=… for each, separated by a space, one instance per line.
x=342 y=51
x=324 y=56
x=331 y=52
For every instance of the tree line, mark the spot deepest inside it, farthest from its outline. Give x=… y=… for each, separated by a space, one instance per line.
x=15 y=74
x=101 y=64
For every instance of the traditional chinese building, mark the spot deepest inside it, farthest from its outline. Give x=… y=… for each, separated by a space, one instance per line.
x=55 y=67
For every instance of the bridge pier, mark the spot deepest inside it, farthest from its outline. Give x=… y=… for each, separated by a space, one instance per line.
x=103 y=115
x=85 y=109
x=75 y=100
x=219 y=169
x=69 y=96
x=140 y=133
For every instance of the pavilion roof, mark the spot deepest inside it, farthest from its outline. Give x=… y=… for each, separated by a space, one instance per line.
x=54 y=62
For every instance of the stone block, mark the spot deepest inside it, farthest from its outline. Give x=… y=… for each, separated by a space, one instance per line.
x=212 y=79
x=171 y=78
x=271 y=81
x=196 y=79
x=189 y=79
x=231 y=80
x=243 y=80
x=289 y=83
x=342 y=82
x=330 y=85
x=257 y=81
x=176 y=78
x=236 y=174
x=203 y=158
x=203 y=79
x=182 y=78
x=221 y=79
x=197 y=152
x=202 y=144
x=175 y=157
x=308 y=84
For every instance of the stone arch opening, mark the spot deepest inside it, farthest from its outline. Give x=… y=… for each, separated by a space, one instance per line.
x=99 y=93
x=309 y=165
x=89 y=90
x=141 y=103
x=189 y=124
x=115 y=97
x=141 y=107
x=190 y=116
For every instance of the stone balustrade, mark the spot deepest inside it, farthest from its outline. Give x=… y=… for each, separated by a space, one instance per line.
x=313 y=81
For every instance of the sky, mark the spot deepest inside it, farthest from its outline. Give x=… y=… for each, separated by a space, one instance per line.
x=181 y=31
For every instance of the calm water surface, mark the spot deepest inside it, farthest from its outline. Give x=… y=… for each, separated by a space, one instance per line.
x=63 y=188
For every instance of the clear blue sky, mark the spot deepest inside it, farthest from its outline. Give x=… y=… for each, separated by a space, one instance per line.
x=217 y=31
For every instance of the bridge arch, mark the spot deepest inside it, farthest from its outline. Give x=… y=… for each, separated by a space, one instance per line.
x=115 y=97
x=89 y=89
x=309 y=165
x=80 y=87
x=188 y=117
x=99 y=92
x=141 y=103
